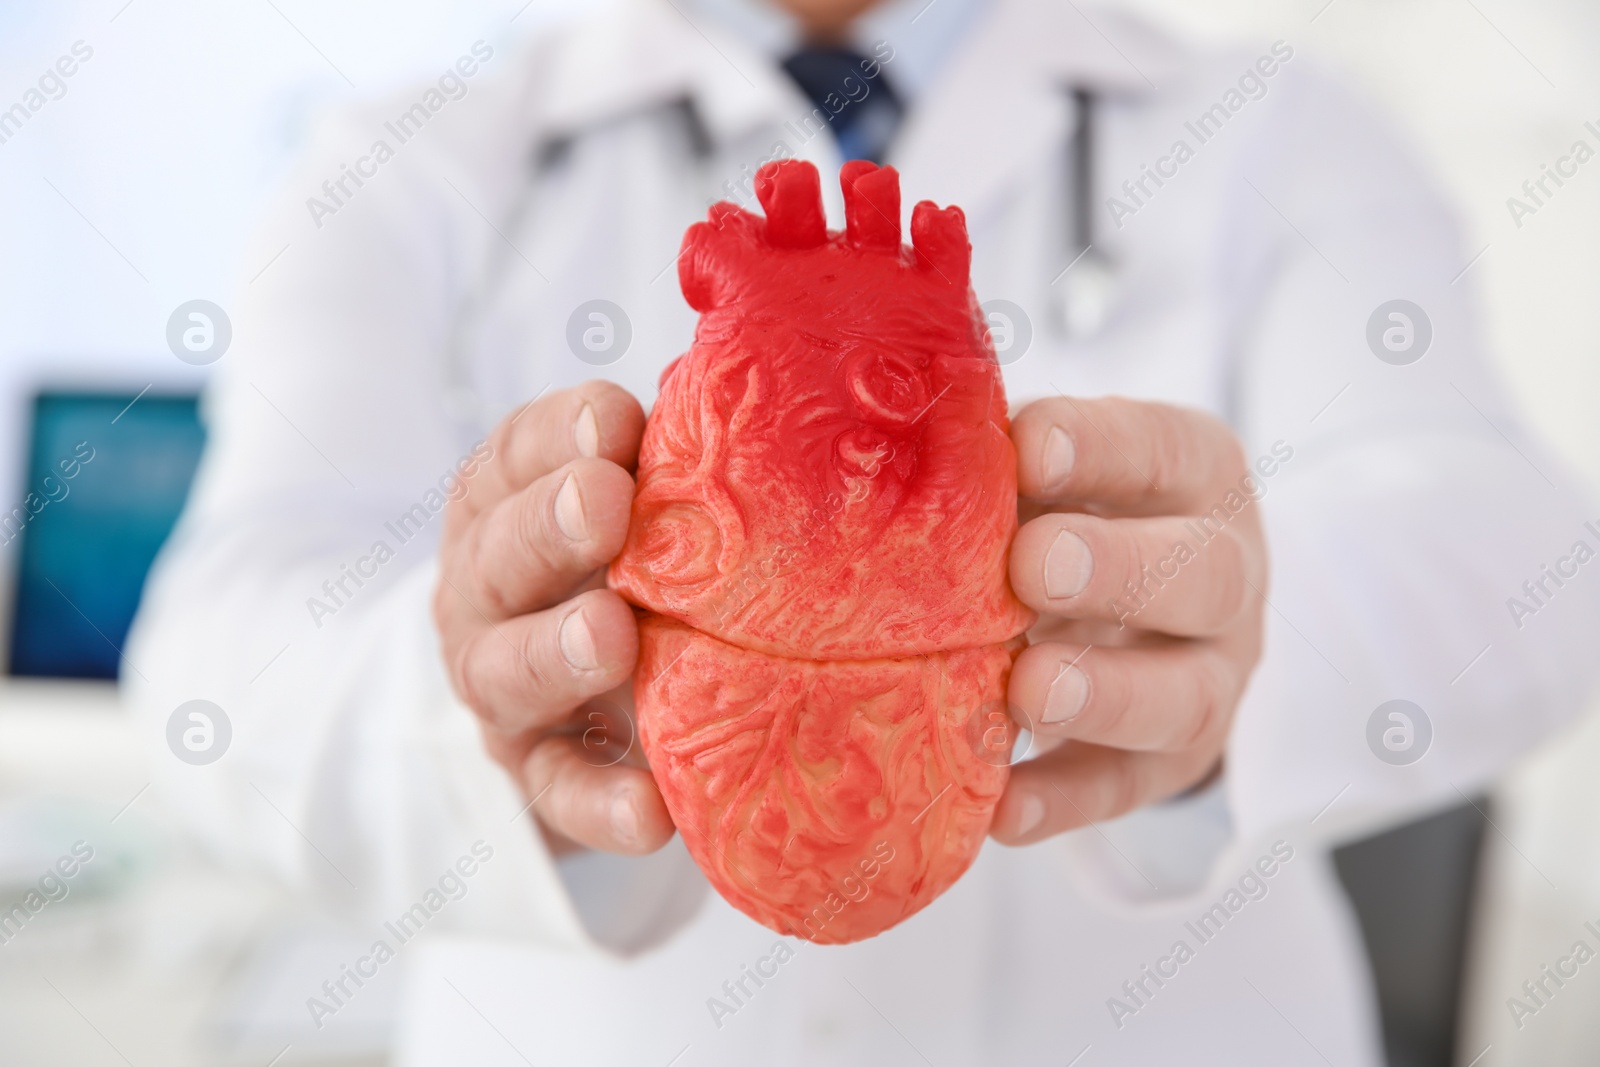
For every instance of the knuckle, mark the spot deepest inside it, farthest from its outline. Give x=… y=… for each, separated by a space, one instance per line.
x=465 y=674
x=1037 y=416
x=1168 y=444
x=600 y=389
x=1229 y=586
x=1045 y=409
x=557 y=774
x=1122 y=560
x=440 y=608
x=609 y=398
x=512 y=443
x=544 y=774
x=1186 y=446
x=1231 y=454
x=1164 y=464
x=1207 y=436
x=610 y=479
x=1135 y=556
x=533 y=524
x=1110 y=704
x=521 y=554
x=537 y=662
x=500 y=437
x=526 y=446
x=503 y=750
x=1210 y=699
x=483 y=596
x=619 y=415
x=1203 y=704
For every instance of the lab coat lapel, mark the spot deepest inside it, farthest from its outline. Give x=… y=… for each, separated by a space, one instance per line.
x=980 y=126
x=646 y=53
x=1002 y=100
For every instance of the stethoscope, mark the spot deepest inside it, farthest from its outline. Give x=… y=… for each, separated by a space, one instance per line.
x=1083 y=293
x=1081 y=296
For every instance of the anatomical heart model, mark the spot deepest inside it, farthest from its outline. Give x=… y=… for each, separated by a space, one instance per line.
x=826 y=496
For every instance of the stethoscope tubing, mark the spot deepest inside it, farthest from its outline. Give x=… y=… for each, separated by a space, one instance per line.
x=1091 y=263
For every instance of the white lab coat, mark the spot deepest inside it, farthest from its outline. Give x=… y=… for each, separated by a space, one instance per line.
x=1411 y=509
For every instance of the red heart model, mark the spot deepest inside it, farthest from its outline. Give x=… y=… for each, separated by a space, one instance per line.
x=826 y=496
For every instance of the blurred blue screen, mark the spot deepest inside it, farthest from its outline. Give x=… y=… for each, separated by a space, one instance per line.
x=106 y=480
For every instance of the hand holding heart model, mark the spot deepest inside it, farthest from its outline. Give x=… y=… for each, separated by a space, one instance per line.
x=825 y=500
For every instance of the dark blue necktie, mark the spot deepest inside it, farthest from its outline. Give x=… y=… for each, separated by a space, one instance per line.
x=863 y=112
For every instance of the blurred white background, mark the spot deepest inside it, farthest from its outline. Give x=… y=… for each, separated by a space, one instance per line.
x=134 y=191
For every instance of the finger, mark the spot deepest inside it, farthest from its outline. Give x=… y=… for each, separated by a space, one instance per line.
x=1080 y=784
x=534 y=547
x=613 y=807
x=1170 y=574
x=529 y=672
x=1162 y=699
x=1130 y=457
x=595 y=420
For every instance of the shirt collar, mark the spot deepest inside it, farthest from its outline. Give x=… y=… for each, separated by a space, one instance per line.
x=922 y=34
x=631 y=55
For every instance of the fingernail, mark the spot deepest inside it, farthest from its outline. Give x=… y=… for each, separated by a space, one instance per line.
x=1067 y=566
x=624 y=819
x=1032 y=814
x=569 y=510
x=1056 y=461
x=577 y=642
x=586 y=433
x=1067 y=695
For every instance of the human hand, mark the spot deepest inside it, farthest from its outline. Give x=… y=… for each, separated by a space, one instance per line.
x=1130 y=691
x=529 y=632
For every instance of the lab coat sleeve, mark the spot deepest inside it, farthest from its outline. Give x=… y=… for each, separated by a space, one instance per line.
x=295 y=594
x=1413 y=507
